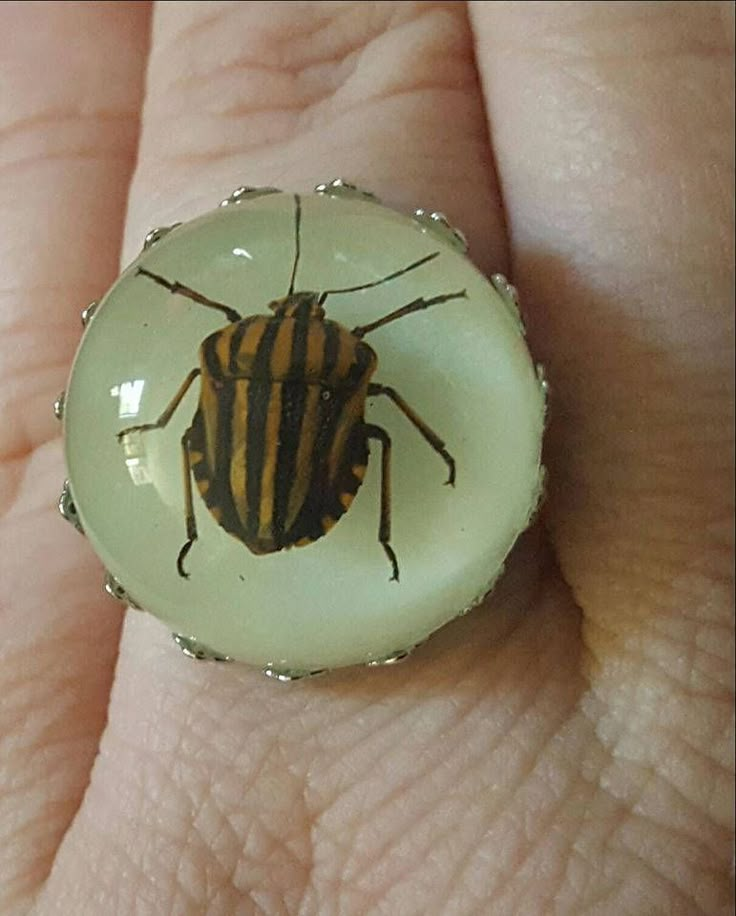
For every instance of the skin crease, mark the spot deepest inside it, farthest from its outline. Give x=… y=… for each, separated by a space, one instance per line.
x=568 y=748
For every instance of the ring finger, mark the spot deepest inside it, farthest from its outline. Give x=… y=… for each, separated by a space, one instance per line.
x=385 y=95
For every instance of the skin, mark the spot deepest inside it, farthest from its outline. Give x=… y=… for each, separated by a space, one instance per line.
x=569 y=747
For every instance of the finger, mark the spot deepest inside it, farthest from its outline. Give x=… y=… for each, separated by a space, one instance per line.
x=67 y=144
x=271 y=93
x=612 y=137
x=238 y=95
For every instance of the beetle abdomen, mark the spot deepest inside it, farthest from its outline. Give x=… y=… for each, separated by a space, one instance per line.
x=277 y=446
x=287 y=460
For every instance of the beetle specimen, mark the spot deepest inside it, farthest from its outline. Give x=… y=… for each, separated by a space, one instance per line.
x=278 y=446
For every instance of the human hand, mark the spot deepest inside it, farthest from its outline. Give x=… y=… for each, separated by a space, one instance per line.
x=568 y=748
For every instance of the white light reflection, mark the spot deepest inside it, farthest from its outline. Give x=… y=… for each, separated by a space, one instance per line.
x=129 y=394
x=138 y=471
x=242 y=253
x=136 y=460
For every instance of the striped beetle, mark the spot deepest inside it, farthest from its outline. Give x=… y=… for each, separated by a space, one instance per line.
x=278 y=446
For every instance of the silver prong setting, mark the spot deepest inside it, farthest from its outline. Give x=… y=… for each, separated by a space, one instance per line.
x=481 y=596
x=510 y=296
x=287 y=675
x=88 y=313
x=67 y=508
x=542 y=379
x=245 y=192
x=544 y=388
x=59 y=406
x=438 y=225
x=155 y=235
x=115 y=590
x=507 y=291
x=193 y=648
x=541 y=487
x=338 y=187
x=393 y=658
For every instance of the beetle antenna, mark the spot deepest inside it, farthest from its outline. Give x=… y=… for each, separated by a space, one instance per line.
x=393 y=276
x=297 y=246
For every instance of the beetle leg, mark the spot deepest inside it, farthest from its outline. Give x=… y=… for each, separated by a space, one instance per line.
x=384 y=529
x=416 y=306
x=429 y=434
x=173 y=286
x=168 y=413
x=188 y=506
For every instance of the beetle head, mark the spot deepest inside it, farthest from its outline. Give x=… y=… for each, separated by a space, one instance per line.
x=298 y=305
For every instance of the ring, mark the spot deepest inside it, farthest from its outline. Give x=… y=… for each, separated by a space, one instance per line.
x=303 y=430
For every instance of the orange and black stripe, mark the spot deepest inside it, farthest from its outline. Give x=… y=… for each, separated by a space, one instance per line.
x=277 y=446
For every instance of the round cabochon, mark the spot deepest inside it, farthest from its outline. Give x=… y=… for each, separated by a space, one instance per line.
x=258 y=447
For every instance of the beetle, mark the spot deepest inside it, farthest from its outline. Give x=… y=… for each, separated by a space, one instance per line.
x=278 y=446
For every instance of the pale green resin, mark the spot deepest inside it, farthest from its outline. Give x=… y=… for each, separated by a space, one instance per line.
x=463 y=366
